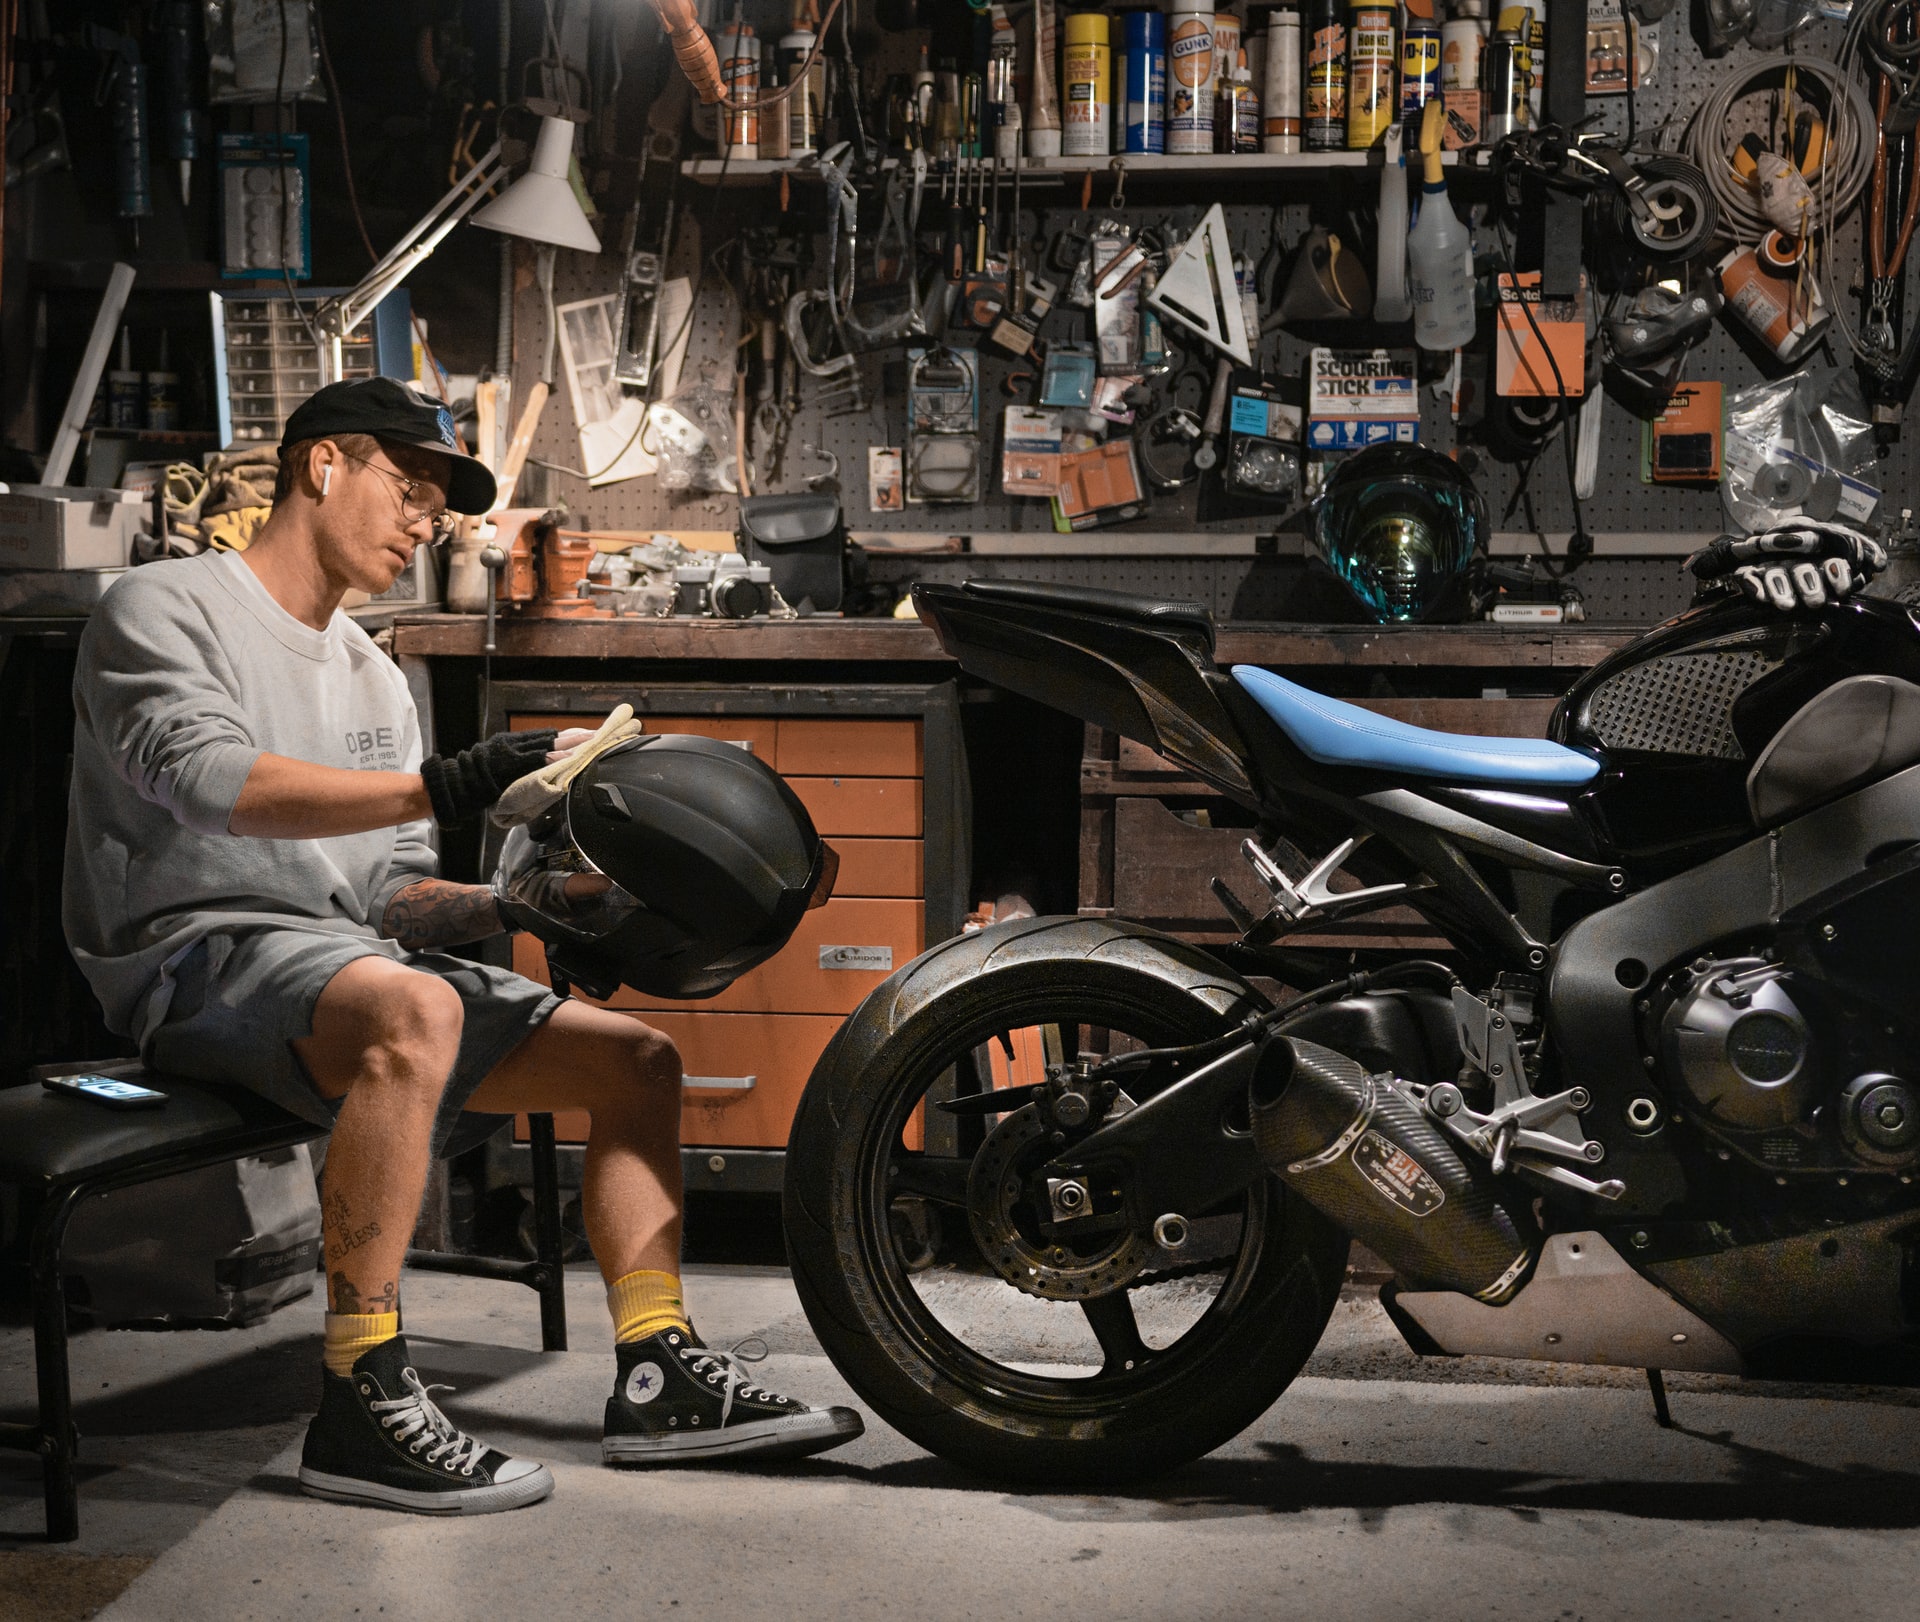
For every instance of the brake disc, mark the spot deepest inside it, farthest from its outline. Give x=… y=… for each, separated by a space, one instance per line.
x=996 y=1184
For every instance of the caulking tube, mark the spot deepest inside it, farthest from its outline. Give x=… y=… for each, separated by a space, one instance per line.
x=1043 y=110
x=1280 y=106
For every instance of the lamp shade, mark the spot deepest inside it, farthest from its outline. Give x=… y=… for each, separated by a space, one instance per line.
x=540 y=205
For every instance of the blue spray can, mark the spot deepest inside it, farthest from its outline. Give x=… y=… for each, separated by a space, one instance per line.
x=1144 y=94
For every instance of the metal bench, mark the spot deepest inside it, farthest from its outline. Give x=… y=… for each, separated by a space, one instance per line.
x=59 y=1150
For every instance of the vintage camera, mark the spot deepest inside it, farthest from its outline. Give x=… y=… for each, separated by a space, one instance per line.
x=729 y=588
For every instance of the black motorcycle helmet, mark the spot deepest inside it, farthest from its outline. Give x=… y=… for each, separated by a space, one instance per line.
x=700 y=861
x=1400 y=525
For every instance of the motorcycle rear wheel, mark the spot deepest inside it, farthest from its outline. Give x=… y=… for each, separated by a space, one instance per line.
x=1146 y=1409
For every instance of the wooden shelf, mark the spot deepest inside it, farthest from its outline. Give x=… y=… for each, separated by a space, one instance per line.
x=1135 y=165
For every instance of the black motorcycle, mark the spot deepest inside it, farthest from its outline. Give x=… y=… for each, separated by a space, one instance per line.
x=1657 y=1108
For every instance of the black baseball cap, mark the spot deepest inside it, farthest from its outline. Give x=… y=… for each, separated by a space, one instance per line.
x=391 y=410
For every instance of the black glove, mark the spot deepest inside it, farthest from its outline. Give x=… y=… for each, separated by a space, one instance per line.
x=1795 y=566
x=463 y=786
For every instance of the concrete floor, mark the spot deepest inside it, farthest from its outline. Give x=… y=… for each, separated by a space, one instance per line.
x=1378 y=1486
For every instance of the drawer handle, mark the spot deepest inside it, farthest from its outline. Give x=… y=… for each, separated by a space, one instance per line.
x=737 y=1084
x=857 y=957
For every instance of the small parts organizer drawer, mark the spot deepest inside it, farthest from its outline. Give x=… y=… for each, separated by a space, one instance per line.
x=860 y=781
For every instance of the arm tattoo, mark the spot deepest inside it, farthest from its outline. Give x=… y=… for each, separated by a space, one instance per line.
x=436 y=913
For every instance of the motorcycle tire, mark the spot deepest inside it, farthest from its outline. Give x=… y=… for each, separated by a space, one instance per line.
x=1123 y=1423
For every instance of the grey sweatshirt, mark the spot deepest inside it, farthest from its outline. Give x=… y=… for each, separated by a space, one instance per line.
x=188 y=672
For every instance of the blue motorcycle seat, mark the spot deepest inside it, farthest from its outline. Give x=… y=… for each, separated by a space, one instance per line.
x=1337 y=734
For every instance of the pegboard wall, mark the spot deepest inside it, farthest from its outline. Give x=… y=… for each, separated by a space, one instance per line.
x=1525 y=495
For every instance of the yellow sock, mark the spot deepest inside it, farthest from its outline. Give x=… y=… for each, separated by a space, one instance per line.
x=350 y=1335
x=645 y=1303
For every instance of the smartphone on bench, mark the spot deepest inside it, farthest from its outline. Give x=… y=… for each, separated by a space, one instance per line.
x=107 y=1090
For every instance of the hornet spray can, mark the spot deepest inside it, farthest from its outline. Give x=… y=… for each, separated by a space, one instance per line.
x=1373 y=64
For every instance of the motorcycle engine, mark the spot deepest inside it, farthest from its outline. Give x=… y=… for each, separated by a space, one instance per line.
x=1774 y=1070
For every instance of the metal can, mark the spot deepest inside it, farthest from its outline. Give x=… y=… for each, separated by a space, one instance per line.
x=1190 y=86
x=1463 y=37
x=809 y=99
x=1372 y=66
x=1504 y=87
x=1236 y=114
x=1143 y=99
x=1419 y=72
x=740 y=73
x=1325 y=122
x=1086 y=82
x=1226 y=49
x=1280 y=102
x=1534 y=37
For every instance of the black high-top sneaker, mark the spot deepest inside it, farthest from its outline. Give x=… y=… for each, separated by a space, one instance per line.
x=380 y=1439
x=676 y=1401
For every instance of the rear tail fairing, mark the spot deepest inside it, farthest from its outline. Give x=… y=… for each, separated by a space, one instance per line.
x=1144 y=670
x=1683 y=713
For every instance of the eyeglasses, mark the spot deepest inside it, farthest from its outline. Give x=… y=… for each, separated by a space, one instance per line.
x=415 y=502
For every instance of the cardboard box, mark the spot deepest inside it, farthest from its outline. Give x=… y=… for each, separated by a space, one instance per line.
x=1521 y=368
x=1361 y=397
x=61 y=527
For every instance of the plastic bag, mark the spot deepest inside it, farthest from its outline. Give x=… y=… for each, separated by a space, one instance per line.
x=247 y=62
x=692 y=435
x=1797 y=449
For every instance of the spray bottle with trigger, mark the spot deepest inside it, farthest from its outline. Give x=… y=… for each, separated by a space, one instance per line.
x=1439 y=254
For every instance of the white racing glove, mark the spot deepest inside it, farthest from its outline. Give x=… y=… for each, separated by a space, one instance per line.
x=537 y=791
x=1796 y=566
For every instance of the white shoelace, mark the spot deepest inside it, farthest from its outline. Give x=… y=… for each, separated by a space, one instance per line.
x=713 y=1364
x=416 y=1417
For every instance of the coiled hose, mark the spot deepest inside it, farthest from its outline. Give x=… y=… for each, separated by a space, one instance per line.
x=1712 y=138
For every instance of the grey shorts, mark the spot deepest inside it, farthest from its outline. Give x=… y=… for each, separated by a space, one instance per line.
x=241 y=1002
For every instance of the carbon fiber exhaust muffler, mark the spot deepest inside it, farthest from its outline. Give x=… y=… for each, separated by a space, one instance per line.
x=1362 y=1153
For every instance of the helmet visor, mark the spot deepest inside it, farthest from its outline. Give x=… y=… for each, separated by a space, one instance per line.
x=554 y=879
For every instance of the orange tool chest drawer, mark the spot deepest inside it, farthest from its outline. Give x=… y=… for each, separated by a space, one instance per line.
x=863 y=781
x=839 y=953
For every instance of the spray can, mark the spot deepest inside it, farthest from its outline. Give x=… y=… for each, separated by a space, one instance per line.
x=1325 y=121
x=804 y=108
x=740 y=73
x=1419 y=70
x=1372 y=67
x=1504 y=82
x=1280 y=103
x=1463 y=42
x=1003 y=104
x=1236 y=111
x=1190 y=90
x=1087 y=86
x=1226 y=52
x=1534 y=37
x=1143 y=101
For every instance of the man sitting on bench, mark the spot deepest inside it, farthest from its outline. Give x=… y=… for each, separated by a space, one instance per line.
x=251 y=891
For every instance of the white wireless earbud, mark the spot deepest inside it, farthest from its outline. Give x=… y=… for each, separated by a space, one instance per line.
x=326 y=478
